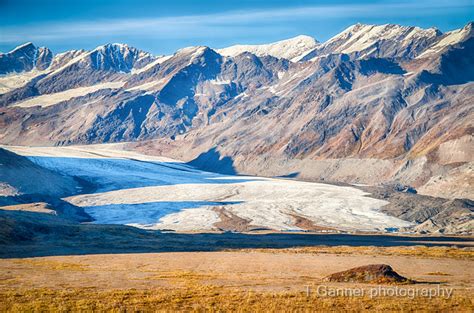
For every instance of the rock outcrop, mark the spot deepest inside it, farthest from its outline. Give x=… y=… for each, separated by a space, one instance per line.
x=373 y=274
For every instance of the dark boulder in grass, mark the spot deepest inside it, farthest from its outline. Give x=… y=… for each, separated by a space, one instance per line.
x=373 y=273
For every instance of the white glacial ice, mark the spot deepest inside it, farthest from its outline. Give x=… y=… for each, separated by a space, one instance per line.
x=160 y=193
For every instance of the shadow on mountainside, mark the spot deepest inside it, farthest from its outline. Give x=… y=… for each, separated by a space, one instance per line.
x=212 y=161
x=290 y=175
x=30 y=234
x=147 y=213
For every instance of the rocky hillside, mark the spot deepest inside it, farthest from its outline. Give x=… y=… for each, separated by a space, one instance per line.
x=27 y=187
x=374 y=104
x=16 y=173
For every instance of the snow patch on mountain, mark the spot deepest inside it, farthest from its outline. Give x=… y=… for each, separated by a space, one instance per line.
x=150 y=65
x=220 y=81
x=55 y=98
x=149 y=86
x=15 y=80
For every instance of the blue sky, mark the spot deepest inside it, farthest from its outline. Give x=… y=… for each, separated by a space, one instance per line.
x=162 y=27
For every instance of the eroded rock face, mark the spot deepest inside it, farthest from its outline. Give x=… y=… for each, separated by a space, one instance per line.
x=373 y=273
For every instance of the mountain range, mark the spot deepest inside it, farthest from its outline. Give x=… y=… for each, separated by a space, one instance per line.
x=375 y=104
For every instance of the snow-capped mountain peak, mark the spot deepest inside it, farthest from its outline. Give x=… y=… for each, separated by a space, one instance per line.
x=388 y=40
x=194 y=50
x=117 y=56
x=26 y=45
x=286 y=49
x=25 y=57
x=360 y=36
x=450 y=38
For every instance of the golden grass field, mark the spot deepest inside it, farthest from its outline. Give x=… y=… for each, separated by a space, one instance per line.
x=413 y=251
x=242 y=280
x=215 y=299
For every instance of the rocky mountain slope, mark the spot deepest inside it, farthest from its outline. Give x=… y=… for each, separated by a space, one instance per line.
x=28 y=187
x=375 y=104
x=16 y=178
